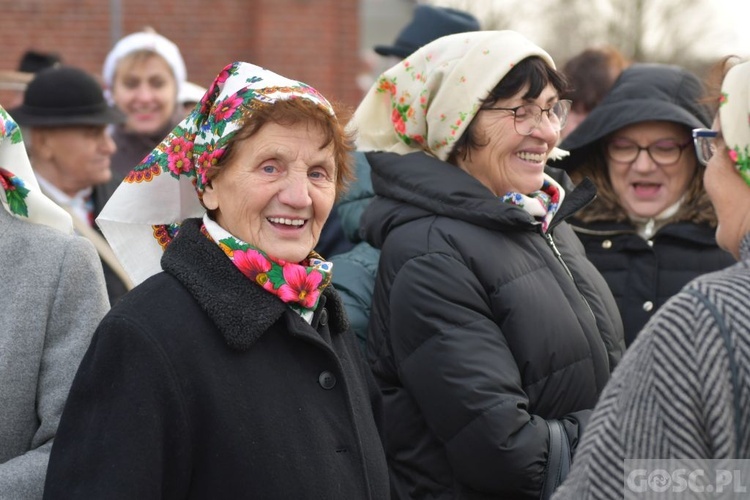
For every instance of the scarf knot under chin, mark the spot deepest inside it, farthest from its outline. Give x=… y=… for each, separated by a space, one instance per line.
x=542 y=204
x=297 y=284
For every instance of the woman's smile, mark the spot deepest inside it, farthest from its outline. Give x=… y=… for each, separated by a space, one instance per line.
x=277 y=193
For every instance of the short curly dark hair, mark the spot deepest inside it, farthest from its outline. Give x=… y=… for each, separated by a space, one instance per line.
x=532 y=71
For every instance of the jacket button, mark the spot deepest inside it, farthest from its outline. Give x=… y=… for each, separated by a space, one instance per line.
x=607 y=244
x=327 y=380
x=648 y=306
x=323 y=321
x=650 y=243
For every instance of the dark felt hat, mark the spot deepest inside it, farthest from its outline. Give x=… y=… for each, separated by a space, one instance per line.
x=33 y=61
x=62 y=96
x=429 y=23
x=643 y=92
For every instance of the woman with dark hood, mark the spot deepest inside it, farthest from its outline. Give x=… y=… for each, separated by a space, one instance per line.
x=651 y=228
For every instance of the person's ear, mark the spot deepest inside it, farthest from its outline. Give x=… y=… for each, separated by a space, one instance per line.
x=210 y=197
x=41 y=147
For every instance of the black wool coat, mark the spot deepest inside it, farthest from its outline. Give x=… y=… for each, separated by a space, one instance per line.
x=482 y=328
x=200 y=384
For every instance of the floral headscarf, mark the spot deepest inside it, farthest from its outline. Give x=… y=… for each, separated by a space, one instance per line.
x=426 y=102
x=734 y=114
x=19 y=190
x=145 y=211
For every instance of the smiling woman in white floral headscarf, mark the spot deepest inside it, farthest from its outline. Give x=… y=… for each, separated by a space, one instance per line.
x=491 y=335
x=230 y=371
x=682 y=390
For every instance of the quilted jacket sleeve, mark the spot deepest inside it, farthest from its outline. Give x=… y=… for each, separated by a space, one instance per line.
x=454 y=360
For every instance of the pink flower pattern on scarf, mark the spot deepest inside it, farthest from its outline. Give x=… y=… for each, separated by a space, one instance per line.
x=297 y=284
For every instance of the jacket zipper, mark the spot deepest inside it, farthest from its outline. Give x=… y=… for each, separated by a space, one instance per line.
x=548 y=237
x=551 y=243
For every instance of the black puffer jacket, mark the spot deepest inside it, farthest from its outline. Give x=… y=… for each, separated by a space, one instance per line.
x=478 y=333
x=644 y=274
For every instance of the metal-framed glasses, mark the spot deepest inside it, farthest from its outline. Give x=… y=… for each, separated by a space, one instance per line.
x=665 y=152
x=527 y=117
x=704 y=144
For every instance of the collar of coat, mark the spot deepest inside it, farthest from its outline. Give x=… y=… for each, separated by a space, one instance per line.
x=241 y=310
x=417 y=185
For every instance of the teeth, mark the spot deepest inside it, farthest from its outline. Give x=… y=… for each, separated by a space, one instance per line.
x=538 y=158
x=287 y=222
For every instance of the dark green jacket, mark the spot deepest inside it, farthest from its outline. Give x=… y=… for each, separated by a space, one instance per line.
x=354 y=271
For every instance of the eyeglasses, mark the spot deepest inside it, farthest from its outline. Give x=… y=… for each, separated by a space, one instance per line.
x=704 y=144
x=527 y=117
x=665 y=152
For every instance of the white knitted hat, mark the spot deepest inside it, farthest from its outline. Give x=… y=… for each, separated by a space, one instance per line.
x=145 y=41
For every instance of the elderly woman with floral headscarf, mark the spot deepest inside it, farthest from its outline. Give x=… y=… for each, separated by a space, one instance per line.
x=682 y=389
x=229 y=371
x=491 y=335
x=52 y=300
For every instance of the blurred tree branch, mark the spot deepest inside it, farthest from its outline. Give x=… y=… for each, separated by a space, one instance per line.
x=669 y=31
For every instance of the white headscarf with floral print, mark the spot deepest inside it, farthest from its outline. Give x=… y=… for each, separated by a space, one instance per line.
x=145 y=211
x=19 y=190
x=734 y=114
x=426 y=102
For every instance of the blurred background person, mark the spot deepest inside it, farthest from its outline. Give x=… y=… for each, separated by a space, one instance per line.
x=190 y=94
x=590 y=74
x=66 y=119
x=682 y=388
x=428 y=23
x=230 y=371
x=31 y=62
x=356 y=268
x=651 y=228
x=491 y=334
x=53 y=298
x=143 y=75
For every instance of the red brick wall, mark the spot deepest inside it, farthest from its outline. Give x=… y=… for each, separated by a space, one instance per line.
x=315 y=41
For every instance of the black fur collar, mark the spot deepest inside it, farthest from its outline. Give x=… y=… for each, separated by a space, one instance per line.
x=241 y=310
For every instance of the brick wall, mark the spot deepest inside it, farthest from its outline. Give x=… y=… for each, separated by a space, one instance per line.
x=315 y=41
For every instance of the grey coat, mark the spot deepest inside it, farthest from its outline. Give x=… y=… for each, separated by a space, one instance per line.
x=52 y=299
x=672 y=396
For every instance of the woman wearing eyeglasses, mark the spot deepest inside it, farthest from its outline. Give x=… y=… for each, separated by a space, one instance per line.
x=491 y=335
x=651 y=228
x=680 y=394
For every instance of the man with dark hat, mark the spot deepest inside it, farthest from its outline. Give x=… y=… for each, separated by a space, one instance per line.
x=66 y=119
x=429 y=23
x=34 y=61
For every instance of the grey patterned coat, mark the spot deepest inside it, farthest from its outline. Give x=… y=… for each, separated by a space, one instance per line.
x=671 y=396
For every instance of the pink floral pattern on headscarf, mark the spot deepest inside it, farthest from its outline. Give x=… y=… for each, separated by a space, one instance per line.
x=144 y=213
x=734 y=115
x=200 y=140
